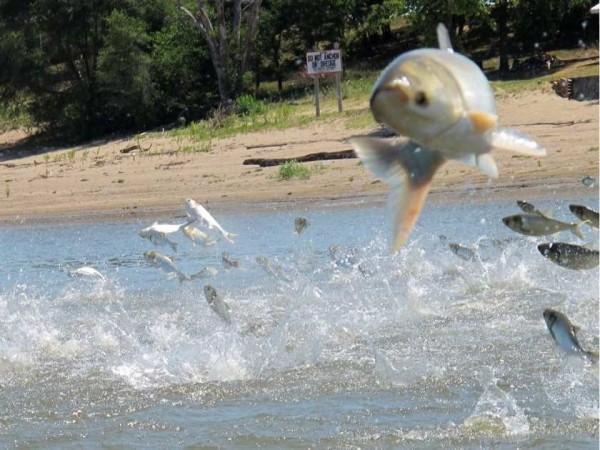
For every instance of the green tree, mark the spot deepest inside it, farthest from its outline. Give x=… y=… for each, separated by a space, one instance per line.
x=124 y=84
x=184 y=81
x=455 y=14
x=229 y=29
x=99 y=66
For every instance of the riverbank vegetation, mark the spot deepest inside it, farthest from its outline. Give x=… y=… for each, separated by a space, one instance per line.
x=78 y=70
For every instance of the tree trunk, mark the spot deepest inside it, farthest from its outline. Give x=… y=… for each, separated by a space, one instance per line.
x=502 y=18
x=228 y=52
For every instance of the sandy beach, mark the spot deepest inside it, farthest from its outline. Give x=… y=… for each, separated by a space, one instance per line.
x=97 y=181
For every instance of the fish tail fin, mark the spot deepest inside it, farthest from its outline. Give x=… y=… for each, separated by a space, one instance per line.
x=204 y=273
x=230 y=236
x=576 y=229
x=408 y=168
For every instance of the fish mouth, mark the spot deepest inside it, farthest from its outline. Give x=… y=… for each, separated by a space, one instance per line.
x=386 y=97
x=544 y=249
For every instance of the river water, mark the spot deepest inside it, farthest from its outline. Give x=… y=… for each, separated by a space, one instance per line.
x=336 y=344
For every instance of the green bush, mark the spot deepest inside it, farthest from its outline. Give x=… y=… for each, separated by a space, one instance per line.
x=248 y=105
x=293 y=169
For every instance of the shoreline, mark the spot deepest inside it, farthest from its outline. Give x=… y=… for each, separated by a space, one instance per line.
x=459 y=195
x=97 y=182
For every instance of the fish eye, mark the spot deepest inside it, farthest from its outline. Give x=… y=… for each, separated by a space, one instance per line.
x=421 y=99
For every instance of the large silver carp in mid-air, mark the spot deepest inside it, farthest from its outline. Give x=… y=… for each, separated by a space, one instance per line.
x=443 y=103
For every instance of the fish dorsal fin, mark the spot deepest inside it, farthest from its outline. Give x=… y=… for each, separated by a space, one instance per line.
x=408 y=168
x=515 y=141
x=444 y=38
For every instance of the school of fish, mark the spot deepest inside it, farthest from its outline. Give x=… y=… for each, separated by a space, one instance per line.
x=441 y=106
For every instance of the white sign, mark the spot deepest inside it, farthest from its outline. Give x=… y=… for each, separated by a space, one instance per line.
x=327 y=61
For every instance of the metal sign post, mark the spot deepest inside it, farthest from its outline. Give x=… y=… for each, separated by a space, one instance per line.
x=325 y=62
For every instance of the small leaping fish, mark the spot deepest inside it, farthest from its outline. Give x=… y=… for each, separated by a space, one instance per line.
x=564 y=334
x=570 y=256
x=530 y=209
x=217 y=304
x=196 y=235
x=159 y=238
x=86 y=271
x=167 y=265
x=300 y=223
x=197 y=212
x=443 y=103
x=167 y=228
x=536 y=225
x=585 y=213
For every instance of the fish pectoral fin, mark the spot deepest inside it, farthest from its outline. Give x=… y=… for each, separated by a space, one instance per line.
x=408 y=168
x=487 y=165
x=408 y=201
x=482 y=121
x=485 y=162
x=444 y=38
x=515 y=141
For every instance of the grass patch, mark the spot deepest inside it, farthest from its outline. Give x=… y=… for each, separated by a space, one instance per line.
x=293 y=169
x=204 y=147
x=13 y=116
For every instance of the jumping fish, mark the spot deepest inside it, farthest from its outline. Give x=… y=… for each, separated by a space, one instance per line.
x=530 y=209
x=464 y=253
x=86 y=271
x=196 y=235
x=443 y=103
x=300 y=224
x=564 y=333
x=167 y=228
x=272 y=268
x=588 y=181
x=158 y=237
x=585 y=213
x=570 y=256
x=217 y=304
x=167 y=265
x=229 y=263
x=197 y=212
x=536 y=225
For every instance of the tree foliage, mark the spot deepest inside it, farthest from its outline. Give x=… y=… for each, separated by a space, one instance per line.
x=92 y=67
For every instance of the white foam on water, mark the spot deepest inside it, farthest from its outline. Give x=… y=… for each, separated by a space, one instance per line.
x=497 y=412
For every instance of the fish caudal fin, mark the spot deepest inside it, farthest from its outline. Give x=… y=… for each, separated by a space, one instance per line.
x=444 y=38
x=229 y=237
x=515 y=141
x=408 y=168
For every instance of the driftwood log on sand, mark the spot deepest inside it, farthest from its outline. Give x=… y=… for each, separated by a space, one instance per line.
x=321 y=156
